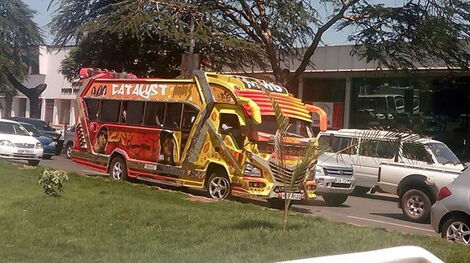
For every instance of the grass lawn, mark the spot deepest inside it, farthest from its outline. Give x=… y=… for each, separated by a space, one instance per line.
x=99 y=220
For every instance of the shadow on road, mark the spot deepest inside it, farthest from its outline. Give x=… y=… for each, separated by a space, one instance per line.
x=398 y=216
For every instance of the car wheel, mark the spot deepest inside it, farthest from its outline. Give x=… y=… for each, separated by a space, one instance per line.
x=118 y=169
x=218 y=186
x=457 y=229
x=334 y=199
x=416 y=205
x=68 y=150
x=33 y=162
x=360 y=191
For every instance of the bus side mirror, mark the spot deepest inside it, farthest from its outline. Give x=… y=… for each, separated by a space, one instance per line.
x=321 y=114
x=254 y=109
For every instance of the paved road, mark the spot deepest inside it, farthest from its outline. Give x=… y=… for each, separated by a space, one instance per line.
x=379 y=210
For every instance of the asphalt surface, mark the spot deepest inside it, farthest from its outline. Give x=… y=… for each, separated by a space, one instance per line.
x=377 y=210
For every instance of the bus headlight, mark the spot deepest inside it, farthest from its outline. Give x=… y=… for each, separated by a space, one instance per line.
x=251 y=170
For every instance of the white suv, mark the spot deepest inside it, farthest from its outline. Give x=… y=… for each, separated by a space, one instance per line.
x=16 y=143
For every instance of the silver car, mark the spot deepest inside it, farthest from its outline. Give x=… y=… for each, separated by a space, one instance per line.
x=450 y=215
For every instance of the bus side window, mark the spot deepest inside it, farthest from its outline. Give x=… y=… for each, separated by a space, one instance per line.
x=109 y=111
x=173 y=115
x=154 y=112
x=132 y=112
x=189 y=116
x=92 y=108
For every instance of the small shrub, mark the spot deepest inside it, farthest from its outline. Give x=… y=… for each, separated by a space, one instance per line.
x=52 y=181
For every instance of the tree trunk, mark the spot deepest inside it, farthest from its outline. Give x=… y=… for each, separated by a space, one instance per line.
x=292 y=84
x=32 y=94
x=8 y=105
x=34 y=107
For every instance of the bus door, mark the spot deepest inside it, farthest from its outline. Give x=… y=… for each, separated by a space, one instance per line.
x=232 y=129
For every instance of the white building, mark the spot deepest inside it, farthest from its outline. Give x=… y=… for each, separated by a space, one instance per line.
x=58 y=101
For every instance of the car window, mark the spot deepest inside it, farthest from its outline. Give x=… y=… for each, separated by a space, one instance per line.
x=417 y=152
x=335 y=144
x=12 y=128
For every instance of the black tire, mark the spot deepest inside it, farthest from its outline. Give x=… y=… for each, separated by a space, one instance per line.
x=68 y=150
x=360 y=191
x=218 y=186
x=33 y=162
x=118 y=169
x=278 y=203
x=453 y=229
x=47 y=157
x=58 y=147
x=335 y=199
x=416 y=205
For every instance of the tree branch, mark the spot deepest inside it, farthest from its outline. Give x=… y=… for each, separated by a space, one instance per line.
x=318 y=36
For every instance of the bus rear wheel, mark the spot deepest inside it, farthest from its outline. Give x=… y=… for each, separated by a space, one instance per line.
x=218 y=186
x=118 y=169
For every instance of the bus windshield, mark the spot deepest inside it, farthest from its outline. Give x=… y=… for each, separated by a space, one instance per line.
x=297 y=128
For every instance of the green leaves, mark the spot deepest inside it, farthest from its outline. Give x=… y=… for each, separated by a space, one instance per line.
x=416 y=34
x=19 y=38
x=52 y=181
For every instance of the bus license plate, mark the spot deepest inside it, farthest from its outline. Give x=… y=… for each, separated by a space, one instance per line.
x=342 y=181
x=26 y=151
x=293 y=196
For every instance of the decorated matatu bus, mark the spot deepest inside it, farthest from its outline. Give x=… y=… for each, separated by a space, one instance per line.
x=212 y=132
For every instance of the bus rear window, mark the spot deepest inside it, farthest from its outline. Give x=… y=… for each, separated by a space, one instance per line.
x=92 y=108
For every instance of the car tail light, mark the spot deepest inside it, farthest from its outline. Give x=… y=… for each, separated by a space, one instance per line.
x=443 y=193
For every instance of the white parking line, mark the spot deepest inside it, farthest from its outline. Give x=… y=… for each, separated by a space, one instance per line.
x=388 y=223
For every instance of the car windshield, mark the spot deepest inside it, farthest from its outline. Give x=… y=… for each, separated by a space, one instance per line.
x=31 y=128
x=442 y=153
x=12 y=128
x=298 y=128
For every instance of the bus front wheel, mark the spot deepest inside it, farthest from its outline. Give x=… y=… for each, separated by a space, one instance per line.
x=218 y=186
x=118 y=168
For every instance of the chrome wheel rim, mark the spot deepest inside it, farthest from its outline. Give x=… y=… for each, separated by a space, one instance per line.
x=458 y=232
x=415 y=205
x=219 y=187
x=69 y=151
x=117 y=171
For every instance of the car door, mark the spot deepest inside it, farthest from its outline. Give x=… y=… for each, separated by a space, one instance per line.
x=371 y=154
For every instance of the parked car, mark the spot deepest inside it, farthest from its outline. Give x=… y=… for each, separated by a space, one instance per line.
x=17 y=144
x=47 y=143
x=413 y=168
x=450 y=215
x=68 y=141
x=334 y=179
x=45 y=130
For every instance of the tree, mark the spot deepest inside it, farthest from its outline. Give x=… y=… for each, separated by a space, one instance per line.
x=146 y=38
x=401 y=37
x=19 y=39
